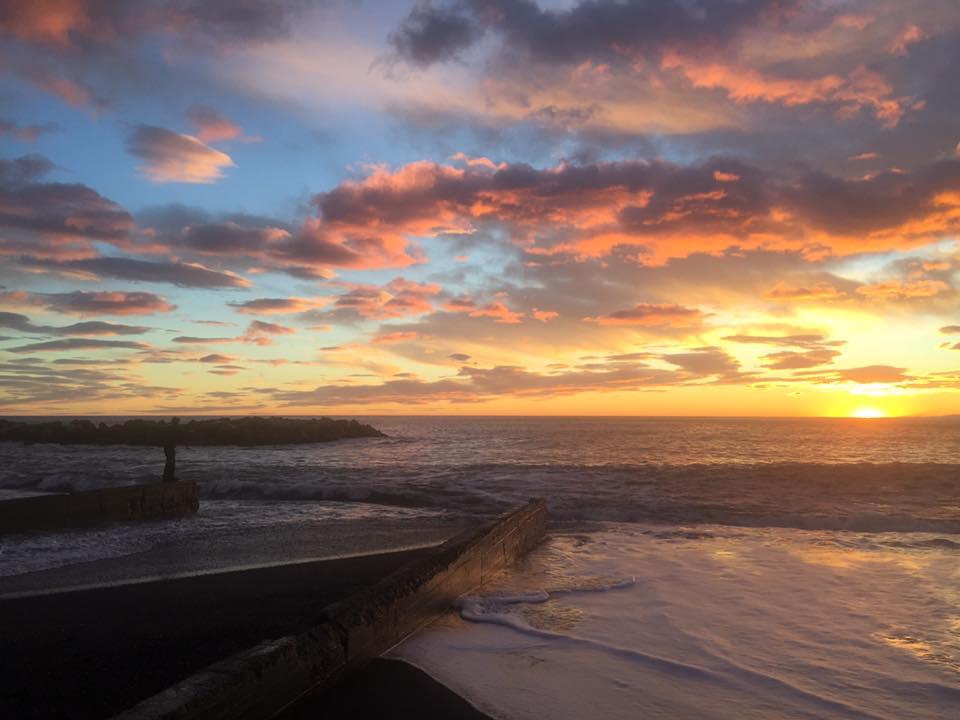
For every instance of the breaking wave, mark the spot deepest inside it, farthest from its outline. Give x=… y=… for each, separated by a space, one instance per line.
x=863 y=497
x=887 y=477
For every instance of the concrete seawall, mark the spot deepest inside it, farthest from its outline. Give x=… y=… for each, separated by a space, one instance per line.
x=260 y=682
x=94 y=507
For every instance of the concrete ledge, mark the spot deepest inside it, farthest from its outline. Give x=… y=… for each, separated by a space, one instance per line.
x=254 y=683
x=94 y=507
x=260 y=682
x=378 y=618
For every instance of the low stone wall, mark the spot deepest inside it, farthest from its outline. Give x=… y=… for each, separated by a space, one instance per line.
x=260 y=682
x=94 y=507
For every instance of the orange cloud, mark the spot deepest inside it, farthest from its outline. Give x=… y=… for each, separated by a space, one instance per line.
x=394 y=337
x=544 y=315
x=600 y=205
x=815 y=293
x=669 y=210
x=793 y=360
x=722 y=177
x=498 y=312
x=897 y=290
x=867 y=375
x=652 y=314
x=861 y=89
x=804 y=340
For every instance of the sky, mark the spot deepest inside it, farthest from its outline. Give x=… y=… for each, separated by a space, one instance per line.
x=574 y=207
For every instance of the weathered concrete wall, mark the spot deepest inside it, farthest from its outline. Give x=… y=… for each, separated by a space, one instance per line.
x=93 y=507
x=376 y=619
x=258 y=683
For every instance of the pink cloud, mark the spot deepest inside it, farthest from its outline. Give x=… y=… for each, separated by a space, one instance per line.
x=90 y=303
x=173 y=157
x=26 y=133
x=45 y=20
x=398 y=298
x=213 y=126
x=70 y=91
x=908 y=36
x=261 y=333
x=51 y=219
x=278 y=306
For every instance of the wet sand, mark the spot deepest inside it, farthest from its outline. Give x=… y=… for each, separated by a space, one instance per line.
x=385 y=689
x=92 y=653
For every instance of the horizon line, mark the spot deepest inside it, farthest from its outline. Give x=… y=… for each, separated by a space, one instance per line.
x=473 y=415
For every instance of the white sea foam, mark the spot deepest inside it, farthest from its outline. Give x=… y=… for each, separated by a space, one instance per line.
x=719 y=623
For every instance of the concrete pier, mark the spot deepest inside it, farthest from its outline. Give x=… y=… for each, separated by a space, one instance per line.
x=91 y=653
x=260 y=682
x=95 y=507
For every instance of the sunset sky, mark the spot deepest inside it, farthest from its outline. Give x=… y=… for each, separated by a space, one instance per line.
x=685 y=207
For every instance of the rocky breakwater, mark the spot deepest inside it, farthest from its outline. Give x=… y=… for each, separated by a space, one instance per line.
x=243 y=431
x=172 y=498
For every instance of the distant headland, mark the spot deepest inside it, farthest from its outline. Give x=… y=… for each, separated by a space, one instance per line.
x=245 y=431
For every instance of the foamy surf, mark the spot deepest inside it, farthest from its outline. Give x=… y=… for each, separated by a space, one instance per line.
x=629 y=487
x=726 y=623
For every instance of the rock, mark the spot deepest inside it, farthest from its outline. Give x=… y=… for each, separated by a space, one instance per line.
x=244 y=431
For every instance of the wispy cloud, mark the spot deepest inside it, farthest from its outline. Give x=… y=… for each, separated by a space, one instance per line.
x=90 y=303
x=170 y=157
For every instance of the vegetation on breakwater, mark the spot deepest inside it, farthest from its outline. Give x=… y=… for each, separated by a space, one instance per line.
x=242 y=431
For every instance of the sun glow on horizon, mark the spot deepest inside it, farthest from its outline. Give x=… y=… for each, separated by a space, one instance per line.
x=868 y=413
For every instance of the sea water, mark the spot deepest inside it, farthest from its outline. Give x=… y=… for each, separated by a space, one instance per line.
x=709 y=568
x=633 y=621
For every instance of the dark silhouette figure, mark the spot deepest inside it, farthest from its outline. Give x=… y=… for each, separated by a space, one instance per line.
x=170 y=452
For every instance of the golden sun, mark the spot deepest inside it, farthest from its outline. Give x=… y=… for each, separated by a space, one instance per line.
x=868 y=412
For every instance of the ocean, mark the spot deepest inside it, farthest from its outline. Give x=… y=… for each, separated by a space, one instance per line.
x=697 y=567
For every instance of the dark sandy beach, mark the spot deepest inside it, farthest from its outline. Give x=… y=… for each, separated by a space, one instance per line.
x=385 y=689
x=95 y=652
